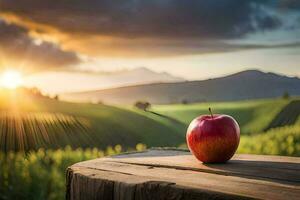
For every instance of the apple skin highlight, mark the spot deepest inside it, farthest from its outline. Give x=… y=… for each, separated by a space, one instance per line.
x=213 y=138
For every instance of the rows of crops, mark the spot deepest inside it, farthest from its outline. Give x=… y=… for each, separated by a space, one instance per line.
x=33 y=130
x=42 y=122
x=287 y=116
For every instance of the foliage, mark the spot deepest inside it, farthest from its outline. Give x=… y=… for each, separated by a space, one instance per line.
x=184 y=101
x=278 y=141
x=41 y=174
x=286 y=95
x=56 y=97
x=142 y=105
x=22 y=91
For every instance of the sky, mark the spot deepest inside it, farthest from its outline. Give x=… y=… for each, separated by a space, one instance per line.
x=193 y=39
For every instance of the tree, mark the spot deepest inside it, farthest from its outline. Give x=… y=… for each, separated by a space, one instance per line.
x=34 y=92
x=286 y=95
x=142 y=105
x=56 y=97
x=184 y=101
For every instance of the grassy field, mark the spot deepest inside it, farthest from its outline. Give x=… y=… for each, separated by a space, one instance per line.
x=267 y=126
x=34 y=123
x=253 y=116
x=57 y=134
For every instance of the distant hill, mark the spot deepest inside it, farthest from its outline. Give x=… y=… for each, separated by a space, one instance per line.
x=250 y=84
x=61 y=82
x=144 y=75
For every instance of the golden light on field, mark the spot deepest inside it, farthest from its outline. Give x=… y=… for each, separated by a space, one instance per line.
x=11 y=79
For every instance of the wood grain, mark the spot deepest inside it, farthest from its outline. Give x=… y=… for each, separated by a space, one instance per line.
x=173 y=174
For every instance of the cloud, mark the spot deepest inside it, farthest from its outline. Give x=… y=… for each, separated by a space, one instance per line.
x=144 y=27
x=290 y=4
x=18 y=49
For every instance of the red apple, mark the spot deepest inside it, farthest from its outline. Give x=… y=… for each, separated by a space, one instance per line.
x=213 y=138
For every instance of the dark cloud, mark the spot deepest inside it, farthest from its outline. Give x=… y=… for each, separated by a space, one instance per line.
x=123 y=26
x=144 y=18
x=290 y=4
x=17 y=48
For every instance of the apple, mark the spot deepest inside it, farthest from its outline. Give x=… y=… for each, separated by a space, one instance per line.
x=213 y=138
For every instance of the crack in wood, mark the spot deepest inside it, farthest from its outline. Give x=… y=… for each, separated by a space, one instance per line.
x=106 y=170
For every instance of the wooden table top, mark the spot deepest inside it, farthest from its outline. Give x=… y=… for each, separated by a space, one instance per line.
x=176 y=174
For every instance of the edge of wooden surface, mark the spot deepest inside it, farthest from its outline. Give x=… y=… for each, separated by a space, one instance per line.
x=187 y=152
x=109 y=178
x=144 y=189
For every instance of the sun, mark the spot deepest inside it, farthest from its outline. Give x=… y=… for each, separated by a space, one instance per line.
x=11 y=79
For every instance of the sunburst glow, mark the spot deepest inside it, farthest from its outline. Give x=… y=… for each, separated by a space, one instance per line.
x=11 y=79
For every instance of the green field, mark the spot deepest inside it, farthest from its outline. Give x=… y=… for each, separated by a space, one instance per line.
x=56 y=134
x=253 y=116
x=47 y=123
x=29 y=123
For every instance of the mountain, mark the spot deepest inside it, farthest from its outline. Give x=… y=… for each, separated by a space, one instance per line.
x=250 y=84
x=60 y=82
x=144 y=75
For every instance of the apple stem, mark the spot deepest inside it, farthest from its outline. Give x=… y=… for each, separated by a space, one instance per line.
x=211 y=113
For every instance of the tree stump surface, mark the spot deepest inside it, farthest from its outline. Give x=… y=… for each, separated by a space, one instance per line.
x=176 y=174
